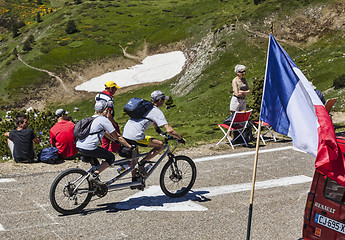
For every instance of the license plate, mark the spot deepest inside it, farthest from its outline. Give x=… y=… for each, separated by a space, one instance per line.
x=330 y=223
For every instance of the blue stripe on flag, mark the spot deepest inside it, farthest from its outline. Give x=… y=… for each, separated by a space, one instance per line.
x=280 y=82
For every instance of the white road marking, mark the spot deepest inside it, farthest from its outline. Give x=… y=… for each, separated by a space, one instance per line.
x=281 y=182
x=153 y=199
x=6 y=180
x=240 y=154
x=2 y=228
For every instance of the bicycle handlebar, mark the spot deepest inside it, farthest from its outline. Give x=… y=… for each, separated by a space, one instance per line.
x=168 y=137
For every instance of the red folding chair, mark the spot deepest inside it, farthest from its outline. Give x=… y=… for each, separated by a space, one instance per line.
x=330 y=104
x=269 y=131
x=238 y=124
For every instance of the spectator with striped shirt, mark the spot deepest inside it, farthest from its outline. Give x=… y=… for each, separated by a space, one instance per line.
x=107 y=95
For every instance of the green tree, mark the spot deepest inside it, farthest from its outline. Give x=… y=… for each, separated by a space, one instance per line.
x=257 y=98
x=38 y=17
x=27 y=45
x=40 y=123
x=15 y=52
x=15 y=30
x=71 y=27
x=256 y=2
x=31 y=38
x=339 y=82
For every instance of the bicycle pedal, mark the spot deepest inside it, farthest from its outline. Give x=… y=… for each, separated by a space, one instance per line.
x=139 y=187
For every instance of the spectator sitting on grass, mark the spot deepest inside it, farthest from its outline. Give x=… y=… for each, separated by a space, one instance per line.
x=61 y=136
x=20 y=141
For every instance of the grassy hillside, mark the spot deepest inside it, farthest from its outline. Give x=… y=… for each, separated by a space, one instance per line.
x=311 y=32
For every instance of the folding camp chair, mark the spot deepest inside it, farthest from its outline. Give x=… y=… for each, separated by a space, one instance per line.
x=238 y=124
x=330 y=104
x=269 y=131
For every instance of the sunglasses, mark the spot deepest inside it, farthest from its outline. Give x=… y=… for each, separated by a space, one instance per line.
x=242 y=71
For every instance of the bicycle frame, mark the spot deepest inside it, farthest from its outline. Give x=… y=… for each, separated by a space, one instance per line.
x=109 y=183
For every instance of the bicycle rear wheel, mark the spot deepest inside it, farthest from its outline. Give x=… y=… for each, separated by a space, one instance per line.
x=178 y=176
x=70 y=192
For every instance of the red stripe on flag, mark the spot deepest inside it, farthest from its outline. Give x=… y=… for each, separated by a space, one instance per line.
x=329 y=159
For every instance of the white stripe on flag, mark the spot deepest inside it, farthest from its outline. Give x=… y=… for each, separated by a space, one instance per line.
x=303 y=121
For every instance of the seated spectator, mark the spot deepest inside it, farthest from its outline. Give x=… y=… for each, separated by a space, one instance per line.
x=61 y=136
x=20 y=141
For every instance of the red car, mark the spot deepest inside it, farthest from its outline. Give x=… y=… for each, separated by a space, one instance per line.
x=324 y=216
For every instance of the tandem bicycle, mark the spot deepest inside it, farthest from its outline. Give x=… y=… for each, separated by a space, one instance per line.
x=72 y=190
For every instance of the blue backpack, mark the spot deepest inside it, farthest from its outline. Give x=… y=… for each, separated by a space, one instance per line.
x=49 y=155
x=137 y=107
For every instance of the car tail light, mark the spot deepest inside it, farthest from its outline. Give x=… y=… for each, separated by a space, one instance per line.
x=309 y=206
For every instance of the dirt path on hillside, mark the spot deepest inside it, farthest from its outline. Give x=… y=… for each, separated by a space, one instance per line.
x=46 y=71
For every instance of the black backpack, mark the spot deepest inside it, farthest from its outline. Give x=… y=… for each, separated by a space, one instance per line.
x=82 y=128
x=137 y=107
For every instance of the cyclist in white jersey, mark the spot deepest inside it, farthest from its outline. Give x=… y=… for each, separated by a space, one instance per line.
x=134 y=130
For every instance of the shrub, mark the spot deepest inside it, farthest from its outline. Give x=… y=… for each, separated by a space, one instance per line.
x=39 y=122
x=339 y=82
x=31 y=38
x=27 y=45
x=258 y=85
x=15 y=30
x=15 y=52
x=71 y=27
x=38 y=17
x=256 y=2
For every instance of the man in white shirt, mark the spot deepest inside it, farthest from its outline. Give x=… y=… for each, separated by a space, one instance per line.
x=101 y=126
x=134 y=130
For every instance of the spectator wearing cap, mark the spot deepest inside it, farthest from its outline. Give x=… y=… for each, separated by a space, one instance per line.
x=134 y=130
x=61 y=136
x=88 y=146
x=20 y=141
x=107 y=95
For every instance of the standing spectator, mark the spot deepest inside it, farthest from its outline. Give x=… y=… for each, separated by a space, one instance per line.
x=241 y=90
x=107 y=95
x=20 y=141
x=61 y=136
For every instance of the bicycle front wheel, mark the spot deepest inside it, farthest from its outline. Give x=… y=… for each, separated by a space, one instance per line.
x=70 y=191
x=178 y=176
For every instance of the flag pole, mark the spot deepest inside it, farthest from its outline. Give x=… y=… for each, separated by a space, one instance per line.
x=253 y=181
x=256 y=155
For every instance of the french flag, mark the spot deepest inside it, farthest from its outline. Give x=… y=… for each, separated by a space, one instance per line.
x=291 y=106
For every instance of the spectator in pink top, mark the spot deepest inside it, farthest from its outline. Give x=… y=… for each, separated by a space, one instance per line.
x=61 y=136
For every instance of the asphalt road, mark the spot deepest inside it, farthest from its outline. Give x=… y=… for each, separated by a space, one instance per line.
x=217 y=208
